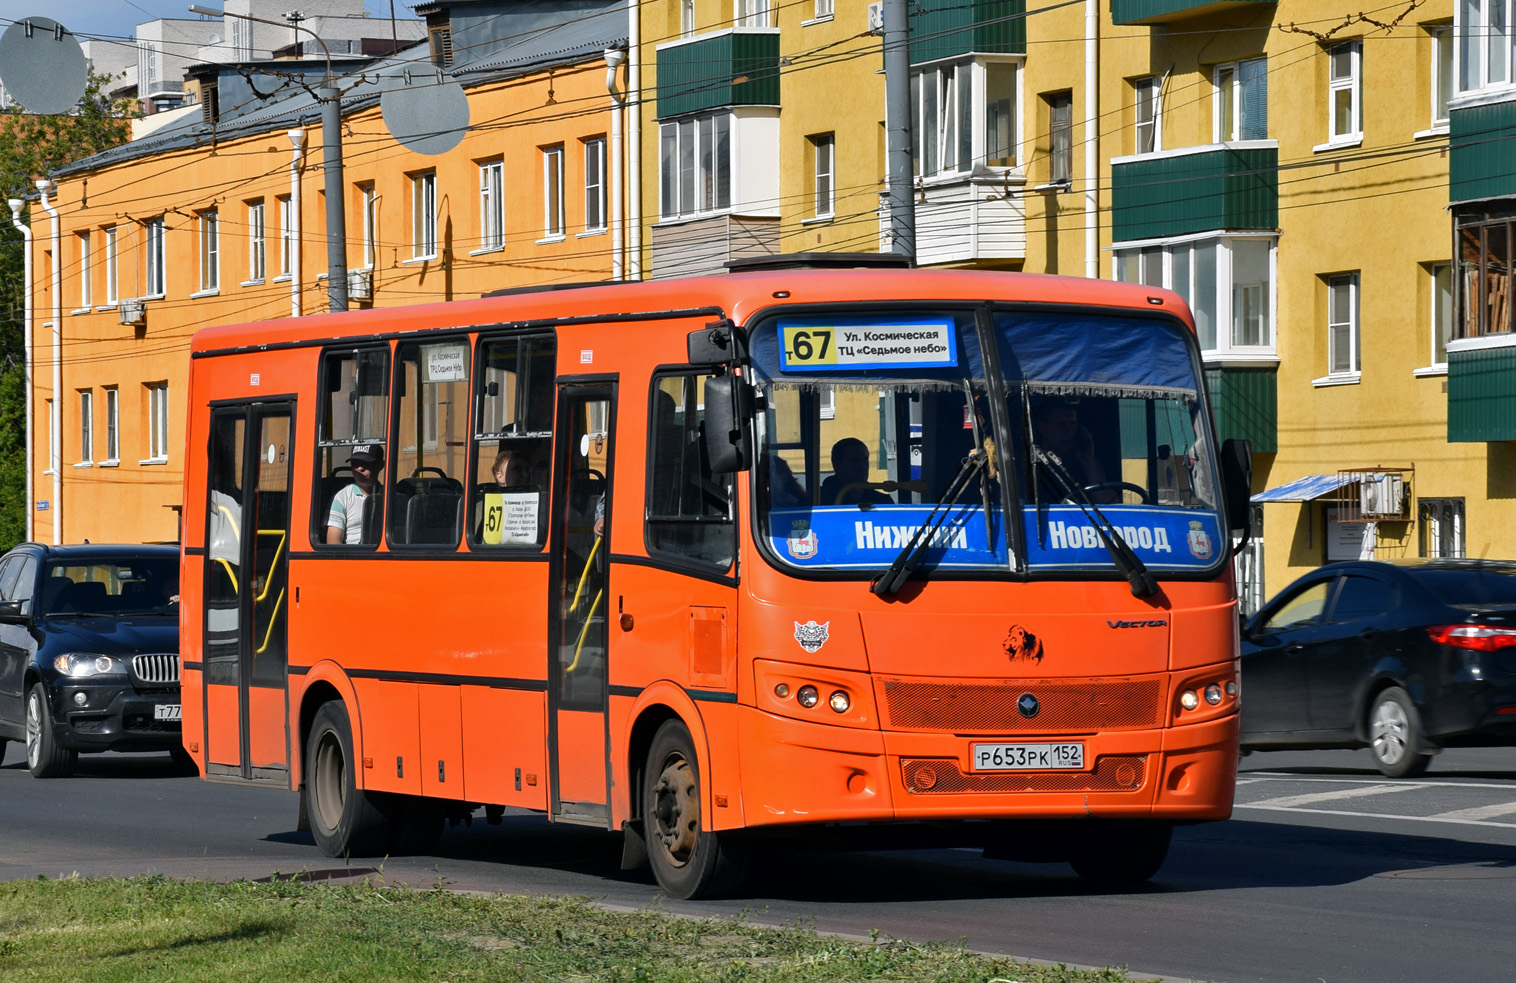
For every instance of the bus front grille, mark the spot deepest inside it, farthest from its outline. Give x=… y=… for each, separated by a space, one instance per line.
x=942 y=776
x=990 y=707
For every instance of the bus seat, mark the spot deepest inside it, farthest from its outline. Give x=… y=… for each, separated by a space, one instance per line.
x=373 y=509
x=327 y=490
x=432 y=511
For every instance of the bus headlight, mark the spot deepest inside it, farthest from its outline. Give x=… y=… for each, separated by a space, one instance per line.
x=839 y=702
x=1189 y=700
x=807 y=696
x=1213 y=694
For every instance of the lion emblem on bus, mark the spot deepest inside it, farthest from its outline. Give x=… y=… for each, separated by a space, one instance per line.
x=1022 y=644
x=810 y=635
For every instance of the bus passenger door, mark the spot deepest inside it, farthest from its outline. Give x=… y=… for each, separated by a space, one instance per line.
x=247 y=557
x=578 y=745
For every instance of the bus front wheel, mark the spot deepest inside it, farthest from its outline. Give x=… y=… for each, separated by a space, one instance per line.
x=345 y=820
x=688 y=860
x=1120 y=855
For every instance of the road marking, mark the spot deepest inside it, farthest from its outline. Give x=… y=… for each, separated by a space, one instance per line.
x=1376 y=815
x=1310 y=798
x=1418 y=783
x=1480 y=812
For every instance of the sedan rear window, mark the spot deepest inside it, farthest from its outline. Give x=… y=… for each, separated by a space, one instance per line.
x=1470 y=586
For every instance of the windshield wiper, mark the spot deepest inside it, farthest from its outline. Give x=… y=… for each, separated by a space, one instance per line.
x=914 y=551
x=1127 y=562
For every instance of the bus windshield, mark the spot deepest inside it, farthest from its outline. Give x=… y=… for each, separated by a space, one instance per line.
x=1091 y=426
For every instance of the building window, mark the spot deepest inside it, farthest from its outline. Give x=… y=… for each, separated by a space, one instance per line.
x=286 y=235
x=1345 y=85
x=1242 y=101
x=492 y=205
x=695 y=167
x=112 y=284
x=1442 y=311
x=210 y=251
x=1342 y=325
x=112 y=425
x=552 y=192
x=751 y=13
x=157 y=422
x=86 y=270
x=1442 y=73
x=942 y=114
x=686 y=18
x=424 y=215
x=257 y=255
x=155 y=260
x=1483 y=32
x=1483 y=284
x=1441 y=527
x=823 y=154
x=1228 y=282
x=370 y=207
x=594 y=185
x=1148 y=105
x=824 y=9
x=86 y=427
x=1061 y=138
x=440 y=42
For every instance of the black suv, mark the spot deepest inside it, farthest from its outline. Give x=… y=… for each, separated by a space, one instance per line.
x=89 y=652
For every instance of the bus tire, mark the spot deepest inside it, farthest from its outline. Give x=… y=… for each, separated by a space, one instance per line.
x=688 y=860
x=44 y=757
x=1118 y=855
x=345 y=820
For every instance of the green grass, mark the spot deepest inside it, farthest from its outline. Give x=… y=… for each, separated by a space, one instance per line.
x=148 y=929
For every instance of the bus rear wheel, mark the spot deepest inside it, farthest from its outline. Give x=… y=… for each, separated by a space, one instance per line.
x=345 y=820
x=1120 y=855
x=688 y=860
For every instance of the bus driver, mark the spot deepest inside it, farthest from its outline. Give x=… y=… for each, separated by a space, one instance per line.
x=344 y=525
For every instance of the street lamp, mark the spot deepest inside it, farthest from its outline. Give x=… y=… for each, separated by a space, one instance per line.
x=331 y=162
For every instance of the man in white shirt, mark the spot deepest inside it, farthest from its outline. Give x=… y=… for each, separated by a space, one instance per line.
x=344 y=524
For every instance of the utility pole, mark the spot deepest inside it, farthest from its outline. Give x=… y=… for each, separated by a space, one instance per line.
x=897 y=111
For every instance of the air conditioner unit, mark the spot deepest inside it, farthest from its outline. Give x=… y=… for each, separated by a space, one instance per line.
x=132 y=311
x=876 y=18
x=360 y=284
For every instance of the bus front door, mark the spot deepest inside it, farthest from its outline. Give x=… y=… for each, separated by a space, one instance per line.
x=246 y=592
x=578 y=746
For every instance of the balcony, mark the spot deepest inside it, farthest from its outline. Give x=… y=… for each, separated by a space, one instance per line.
x=1482 y=390
x=1245 y=403
x=977 y=217
x=739 y=67
x=1198 y=189
x=1168 y=11
x=951 y=28
x=1481 y=141
x=704 y=246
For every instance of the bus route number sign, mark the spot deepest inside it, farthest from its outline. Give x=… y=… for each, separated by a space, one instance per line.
x=859 y=343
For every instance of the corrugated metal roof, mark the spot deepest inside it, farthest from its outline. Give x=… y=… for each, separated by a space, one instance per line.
x=1306 y=489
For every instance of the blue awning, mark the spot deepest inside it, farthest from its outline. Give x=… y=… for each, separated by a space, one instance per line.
x=1306 y=489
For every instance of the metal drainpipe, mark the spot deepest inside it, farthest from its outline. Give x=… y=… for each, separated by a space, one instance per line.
x=55 y=449
x=297 y=137
x=634 y=138
x=613 y=59
x=1091 y=139
x=26 y=350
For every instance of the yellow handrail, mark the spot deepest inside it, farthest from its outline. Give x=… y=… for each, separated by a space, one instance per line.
x=229 y=572
x=283 y=535
x=273 y=617
x=585 y=630
x=588 y=562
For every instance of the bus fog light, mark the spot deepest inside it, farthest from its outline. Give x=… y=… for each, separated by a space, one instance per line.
x=1189 y=700
x=1213 y=694
x=807 y=696
x=838 y=701
x=1231 y=687
x=782 y=691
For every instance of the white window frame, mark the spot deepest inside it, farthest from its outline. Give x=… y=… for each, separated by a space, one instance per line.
x=1227 y=102
x=286 y=236
x=594 y=185
x=824 y=174
x=1431 y=515
x=823 y=10
x=686 y=18
x=1351 y=369
x=1147 y=113
x=157 y=422
x=491 y=206
x=751 y=13
x=257 y=245
x=696 y=179
x=424 y=215
x=112 y=425
x=86 y=271
x=950 y=136
x=1345 y=81
x=1444 y=77
x=1441 y=316
x=86 y=427
x=370 y=226
x=1156 y=265
x=1482 y=53
x=112 y=254
x=157 y=285
x=210 y=251
x=1061 y=139
x=552 y=193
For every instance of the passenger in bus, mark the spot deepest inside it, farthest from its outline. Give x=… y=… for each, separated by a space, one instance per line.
x=513 y=469
x=849 y=483
x=1058 y=429
x=344 y=524
x=784 y=489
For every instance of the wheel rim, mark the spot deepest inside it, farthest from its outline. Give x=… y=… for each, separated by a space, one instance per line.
x=1388 y=732
x=33 y=730
x=331 y=788
x=676 y=811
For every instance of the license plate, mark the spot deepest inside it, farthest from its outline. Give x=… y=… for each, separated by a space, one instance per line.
x=1028 y=757
x=166 y=711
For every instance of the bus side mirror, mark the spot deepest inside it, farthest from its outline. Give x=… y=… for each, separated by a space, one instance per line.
x=718 y=343
x=728 y=409
x=1237 y=484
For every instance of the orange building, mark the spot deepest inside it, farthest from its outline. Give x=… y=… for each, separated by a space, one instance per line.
x=221 y=217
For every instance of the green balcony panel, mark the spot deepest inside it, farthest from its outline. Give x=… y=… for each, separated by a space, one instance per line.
x=736 y=68
x=1227 y=188
x=1166 y=11
x=1245 y=402
x=1482 y=395
x=951 y=28
x=1482 y=141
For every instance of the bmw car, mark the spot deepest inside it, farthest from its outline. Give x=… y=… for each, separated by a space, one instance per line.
x=89 y=652
x=1404 y=658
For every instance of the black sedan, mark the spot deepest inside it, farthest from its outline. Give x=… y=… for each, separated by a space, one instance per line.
x=89 y=652
x=1404 y=658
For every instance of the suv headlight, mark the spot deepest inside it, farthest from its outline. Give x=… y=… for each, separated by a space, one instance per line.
x=78 y=666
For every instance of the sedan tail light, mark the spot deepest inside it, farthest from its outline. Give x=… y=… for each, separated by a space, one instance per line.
x=1481 y=638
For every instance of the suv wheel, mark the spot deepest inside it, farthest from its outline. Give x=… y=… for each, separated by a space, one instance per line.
x=43 y=755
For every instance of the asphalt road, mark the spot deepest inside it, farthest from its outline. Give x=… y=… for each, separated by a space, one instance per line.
x=1327 y=872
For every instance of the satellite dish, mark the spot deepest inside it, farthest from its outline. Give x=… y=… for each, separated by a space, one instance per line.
x=42 y=66
x=426 y=111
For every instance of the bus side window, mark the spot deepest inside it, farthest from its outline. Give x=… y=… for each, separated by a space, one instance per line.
x=354 y=409
x=512 y=443
x=689 y=509
x=425 y=494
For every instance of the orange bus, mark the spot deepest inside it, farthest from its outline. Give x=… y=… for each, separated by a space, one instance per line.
x=704 y=560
